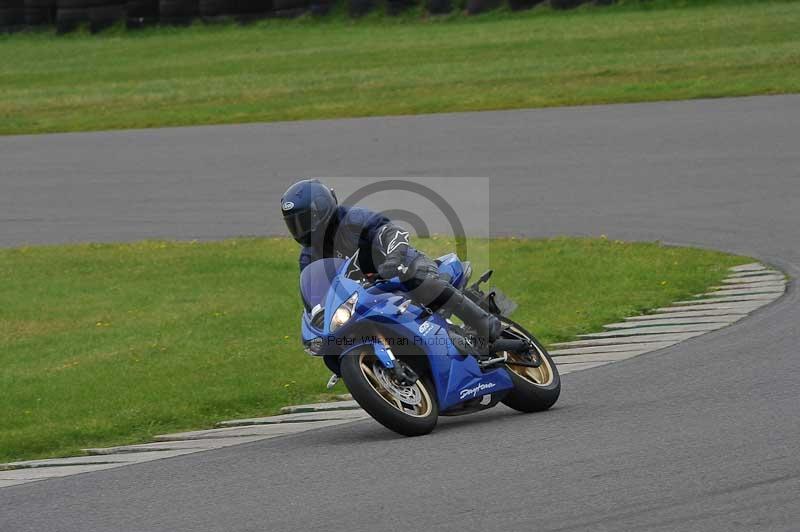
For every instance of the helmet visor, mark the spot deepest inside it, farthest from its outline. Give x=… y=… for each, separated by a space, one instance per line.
x=300 y=225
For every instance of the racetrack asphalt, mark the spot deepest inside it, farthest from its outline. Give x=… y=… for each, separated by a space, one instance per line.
x=701 y=436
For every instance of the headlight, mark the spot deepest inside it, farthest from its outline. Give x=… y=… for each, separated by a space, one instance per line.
x=345 y=311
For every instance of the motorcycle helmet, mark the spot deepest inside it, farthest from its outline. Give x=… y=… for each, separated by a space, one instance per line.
x=307 y=206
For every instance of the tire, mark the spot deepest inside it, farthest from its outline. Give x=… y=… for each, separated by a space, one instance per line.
x=216 y=8
x=41 y=4
x=521 y=5
x=70 y=18
x=379 y=407
x=11 y=18
x=359 y=8
x=320 y=8
x=40 y=12
x=528 y=395
x=439 y=7
x=288 y=5
x=565 y=4
x=82 y=4
x=39 y=16
x=177 y=12
x=102 y=17
x=253 y=6
x=290 y=13
x=12 y=14
x=142 y=9
x=396 y=7
x=475 y=7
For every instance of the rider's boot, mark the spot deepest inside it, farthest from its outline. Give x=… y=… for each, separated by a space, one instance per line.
x=487 y=327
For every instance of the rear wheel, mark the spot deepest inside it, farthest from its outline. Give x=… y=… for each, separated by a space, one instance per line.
x=535 y=389
x=407 y=410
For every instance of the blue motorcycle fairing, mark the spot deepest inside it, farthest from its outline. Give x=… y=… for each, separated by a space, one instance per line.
x=308 y=332
x=456 y=377
x=450 y=266
x=373 y=305
x=316 y=279
x=378 y=348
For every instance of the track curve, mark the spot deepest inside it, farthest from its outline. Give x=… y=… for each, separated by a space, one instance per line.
x=702 y=437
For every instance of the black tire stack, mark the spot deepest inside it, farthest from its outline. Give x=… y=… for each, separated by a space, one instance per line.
x=439 y=7
x=289 y=8
x=72 y=13
x=359 y=8
x=519 y=5
x=321 y=7
x=177 y=12
x=252 y=9
x=210 y=10
x=40 y=12
x=565 y=4
x=12 y=15
x=142 y=13
x=475 y=7
x=106 y=13
x=98 y=14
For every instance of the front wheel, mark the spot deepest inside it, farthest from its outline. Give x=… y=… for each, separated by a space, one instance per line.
x=407 y=410
x=535 y=389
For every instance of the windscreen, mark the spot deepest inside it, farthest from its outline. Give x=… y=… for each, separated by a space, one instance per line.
x=315 y=281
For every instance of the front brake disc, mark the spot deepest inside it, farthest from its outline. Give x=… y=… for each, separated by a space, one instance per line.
x=409 y=395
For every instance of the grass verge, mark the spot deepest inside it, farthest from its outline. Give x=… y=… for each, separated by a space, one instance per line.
x=104 y=344
x=336 y=67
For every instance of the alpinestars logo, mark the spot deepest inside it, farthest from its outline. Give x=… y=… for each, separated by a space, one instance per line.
x=400 y=238
x=287 y=206
x=355 y=267
x=467 y=392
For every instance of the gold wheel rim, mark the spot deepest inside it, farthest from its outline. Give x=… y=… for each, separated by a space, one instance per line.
x=423 y=409
x=541 y=376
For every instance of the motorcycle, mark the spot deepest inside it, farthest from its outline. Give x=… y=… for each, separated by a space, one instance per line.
x=406 y=365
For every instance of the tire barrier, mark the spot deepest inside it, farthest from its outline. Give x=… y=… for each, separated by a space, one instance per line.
x=358 y=8
x=103 y=16
x=565 y=4
x=439 y=7
x=40 y=12
x=396 y=7
x=519 y=5
x=97 y=14
x=67 y=15
x=321 y=7
x=72 y=13
x=142 y=13
x=12 y=15
x=252 y=8
x=208 y=9
x=177 y=12
x=289 y=8
x=475 y=7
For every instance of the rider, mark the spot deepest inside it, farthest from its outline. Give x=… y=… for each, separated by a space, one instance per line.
x=381 y=249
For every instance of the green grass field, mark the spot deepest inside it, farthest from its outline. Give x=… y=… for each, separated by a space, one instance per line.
x=336 y=67
x=104 y=344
